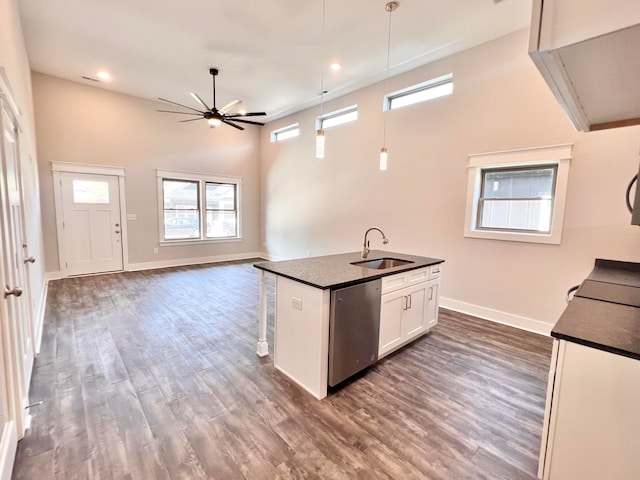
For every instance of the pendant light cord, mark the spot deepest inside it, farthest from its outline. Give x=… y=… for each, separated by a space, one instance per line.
x=390 y=7
x=324 y=2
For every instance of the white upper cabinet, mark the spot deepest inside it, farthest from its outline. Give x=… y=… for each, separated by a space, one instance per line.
x=586 y=50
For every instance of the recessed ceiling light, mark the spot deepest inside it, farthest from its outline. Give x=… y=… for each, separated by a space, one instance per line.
x=335 y=66
x=102 y=75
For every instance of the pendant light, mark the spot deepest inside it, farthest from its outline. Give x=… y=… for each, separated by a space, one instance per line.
x=320 y=131
x=390 y=8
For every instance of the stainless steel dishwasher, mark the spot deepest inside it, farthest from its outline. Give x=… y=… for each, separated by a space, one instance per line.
x=354 y=327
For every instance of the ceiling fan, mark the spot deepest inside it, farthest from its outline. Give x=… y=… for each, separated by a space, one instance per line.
x=215 y=116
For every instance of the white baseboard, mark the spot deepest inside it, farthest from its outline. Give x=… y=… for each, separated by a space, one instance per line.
x=40 y=314
x=182 y=262
x=272 y=258
x=523 y=323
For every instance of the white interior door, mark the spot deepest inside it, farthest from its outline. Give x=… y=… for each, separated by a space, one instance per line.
x=17 y=325
x=12 y=381
x=8 y=414
x=91 y=240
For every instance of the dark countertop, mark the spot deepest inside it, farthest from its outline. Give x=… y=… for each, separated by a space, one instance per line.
x=336 y=271
x=605 y=323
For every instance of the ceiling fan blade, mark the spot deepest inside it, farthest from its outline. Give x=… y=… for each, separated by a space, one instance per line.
x=200 y=101
x=232 y=124
x=182 y=113
x=230 y=105
x=190 y=120
x=248 y=114
x=180 y=105
x=246 y=121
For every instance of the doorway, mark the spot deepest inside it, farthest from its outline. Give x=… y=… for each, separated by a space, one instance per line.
x=89 y=221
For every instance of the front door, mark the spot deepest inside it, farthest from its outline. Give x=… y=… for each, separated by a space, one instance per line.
x=91 y=224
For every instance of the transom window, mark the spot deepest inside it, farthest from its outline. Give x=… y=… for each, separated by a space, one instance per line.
x=518 y=195
x=284 y=133
x=198 y=207
x=434 y=88
x=337 y=117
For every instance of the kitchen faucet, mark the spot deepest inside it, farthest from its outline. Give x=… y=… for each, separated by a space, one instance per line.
x=365 y=245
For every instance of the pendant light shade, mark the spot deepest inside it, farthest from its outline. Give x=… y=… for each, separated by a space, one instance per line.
x=383 y=158
x=389 y=8
x=320 y=143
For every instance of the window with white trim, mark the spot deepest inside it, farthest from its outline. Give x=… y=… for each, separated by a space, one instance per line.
x=198 y=207
x=434 y=88
x=284 y=133
x=337 y=117
x=518 y=195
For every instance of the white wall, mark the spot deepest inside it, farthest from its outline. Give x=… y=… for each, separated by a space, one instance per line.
x=500 y=102
x=89 y=125
x=13 y=59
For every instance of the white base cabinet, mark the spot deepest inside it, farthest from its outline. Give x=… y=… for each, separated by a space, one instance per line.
x=409 y=307
x=592 y=419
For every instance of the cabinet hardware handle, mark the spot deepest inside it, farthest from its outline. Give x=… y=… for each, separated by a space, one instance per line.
x=404 y=302
x=409 y=301
x=29 y=260
x=430 y=293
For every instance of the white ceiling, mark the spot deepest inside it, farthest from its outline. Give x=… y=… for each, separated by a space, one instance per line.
x=271 y=54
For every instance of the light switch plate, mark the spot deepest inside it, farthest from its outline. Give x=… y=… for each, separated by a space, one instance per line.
x=296 y=303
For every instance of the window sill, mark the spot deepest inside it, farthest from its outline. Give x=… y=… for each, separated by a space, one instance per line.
x=527 y=237
x=197 y=241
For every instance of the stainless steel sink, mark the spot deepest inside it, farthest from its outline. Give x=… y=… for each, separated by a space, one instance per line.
x=381 y=263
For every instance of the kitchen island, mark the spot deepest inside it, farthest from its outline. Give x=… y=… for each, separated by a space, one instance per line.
x=408 y=296
x=592 y=418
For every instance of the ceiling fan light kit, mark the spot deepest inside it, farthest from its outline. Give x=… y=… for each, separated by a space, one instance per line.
x=213 y=115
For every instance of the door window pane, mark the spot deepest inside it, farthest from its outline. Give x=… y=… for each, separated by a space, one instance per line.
x=90 y=191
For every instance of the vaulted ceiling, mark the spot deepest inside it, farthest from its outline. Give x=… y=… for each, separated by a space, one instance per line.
x=271 y=54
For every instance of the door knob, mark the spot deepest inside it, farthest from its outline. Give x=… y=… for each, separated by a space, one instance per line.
x=29 y=260
x=17 y=291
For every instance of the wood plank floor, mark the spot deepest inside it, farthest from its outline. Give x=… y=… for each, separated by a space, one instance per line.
x=153 y=375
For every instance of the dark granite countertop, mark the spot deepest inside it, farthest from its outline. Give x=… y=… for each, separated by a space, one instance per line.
x=620 y=273
x=336 y=271
x=606 y=325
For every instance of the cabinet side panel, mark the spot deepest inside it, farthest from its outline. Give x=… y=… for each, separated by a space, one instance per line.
x=301 y=334
x=597 y=425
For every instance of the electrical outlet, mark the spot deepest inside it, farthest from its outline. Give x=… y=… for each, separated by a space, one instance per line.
x=296 y=303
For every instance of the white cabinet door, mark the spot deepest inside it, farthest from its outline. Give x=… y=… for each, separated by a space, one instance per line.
x=415 y=313
x=433 y=300
x=391 y=309
x=409 y=307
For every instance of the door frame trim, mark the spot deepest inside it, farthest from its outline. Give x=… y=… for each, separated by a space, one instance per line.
x=69 y=167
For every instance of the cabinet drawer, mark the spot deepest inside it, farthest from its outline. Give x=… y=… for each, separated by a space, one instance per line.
x=402 y=280
x=434 y=271
x=392 y=283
